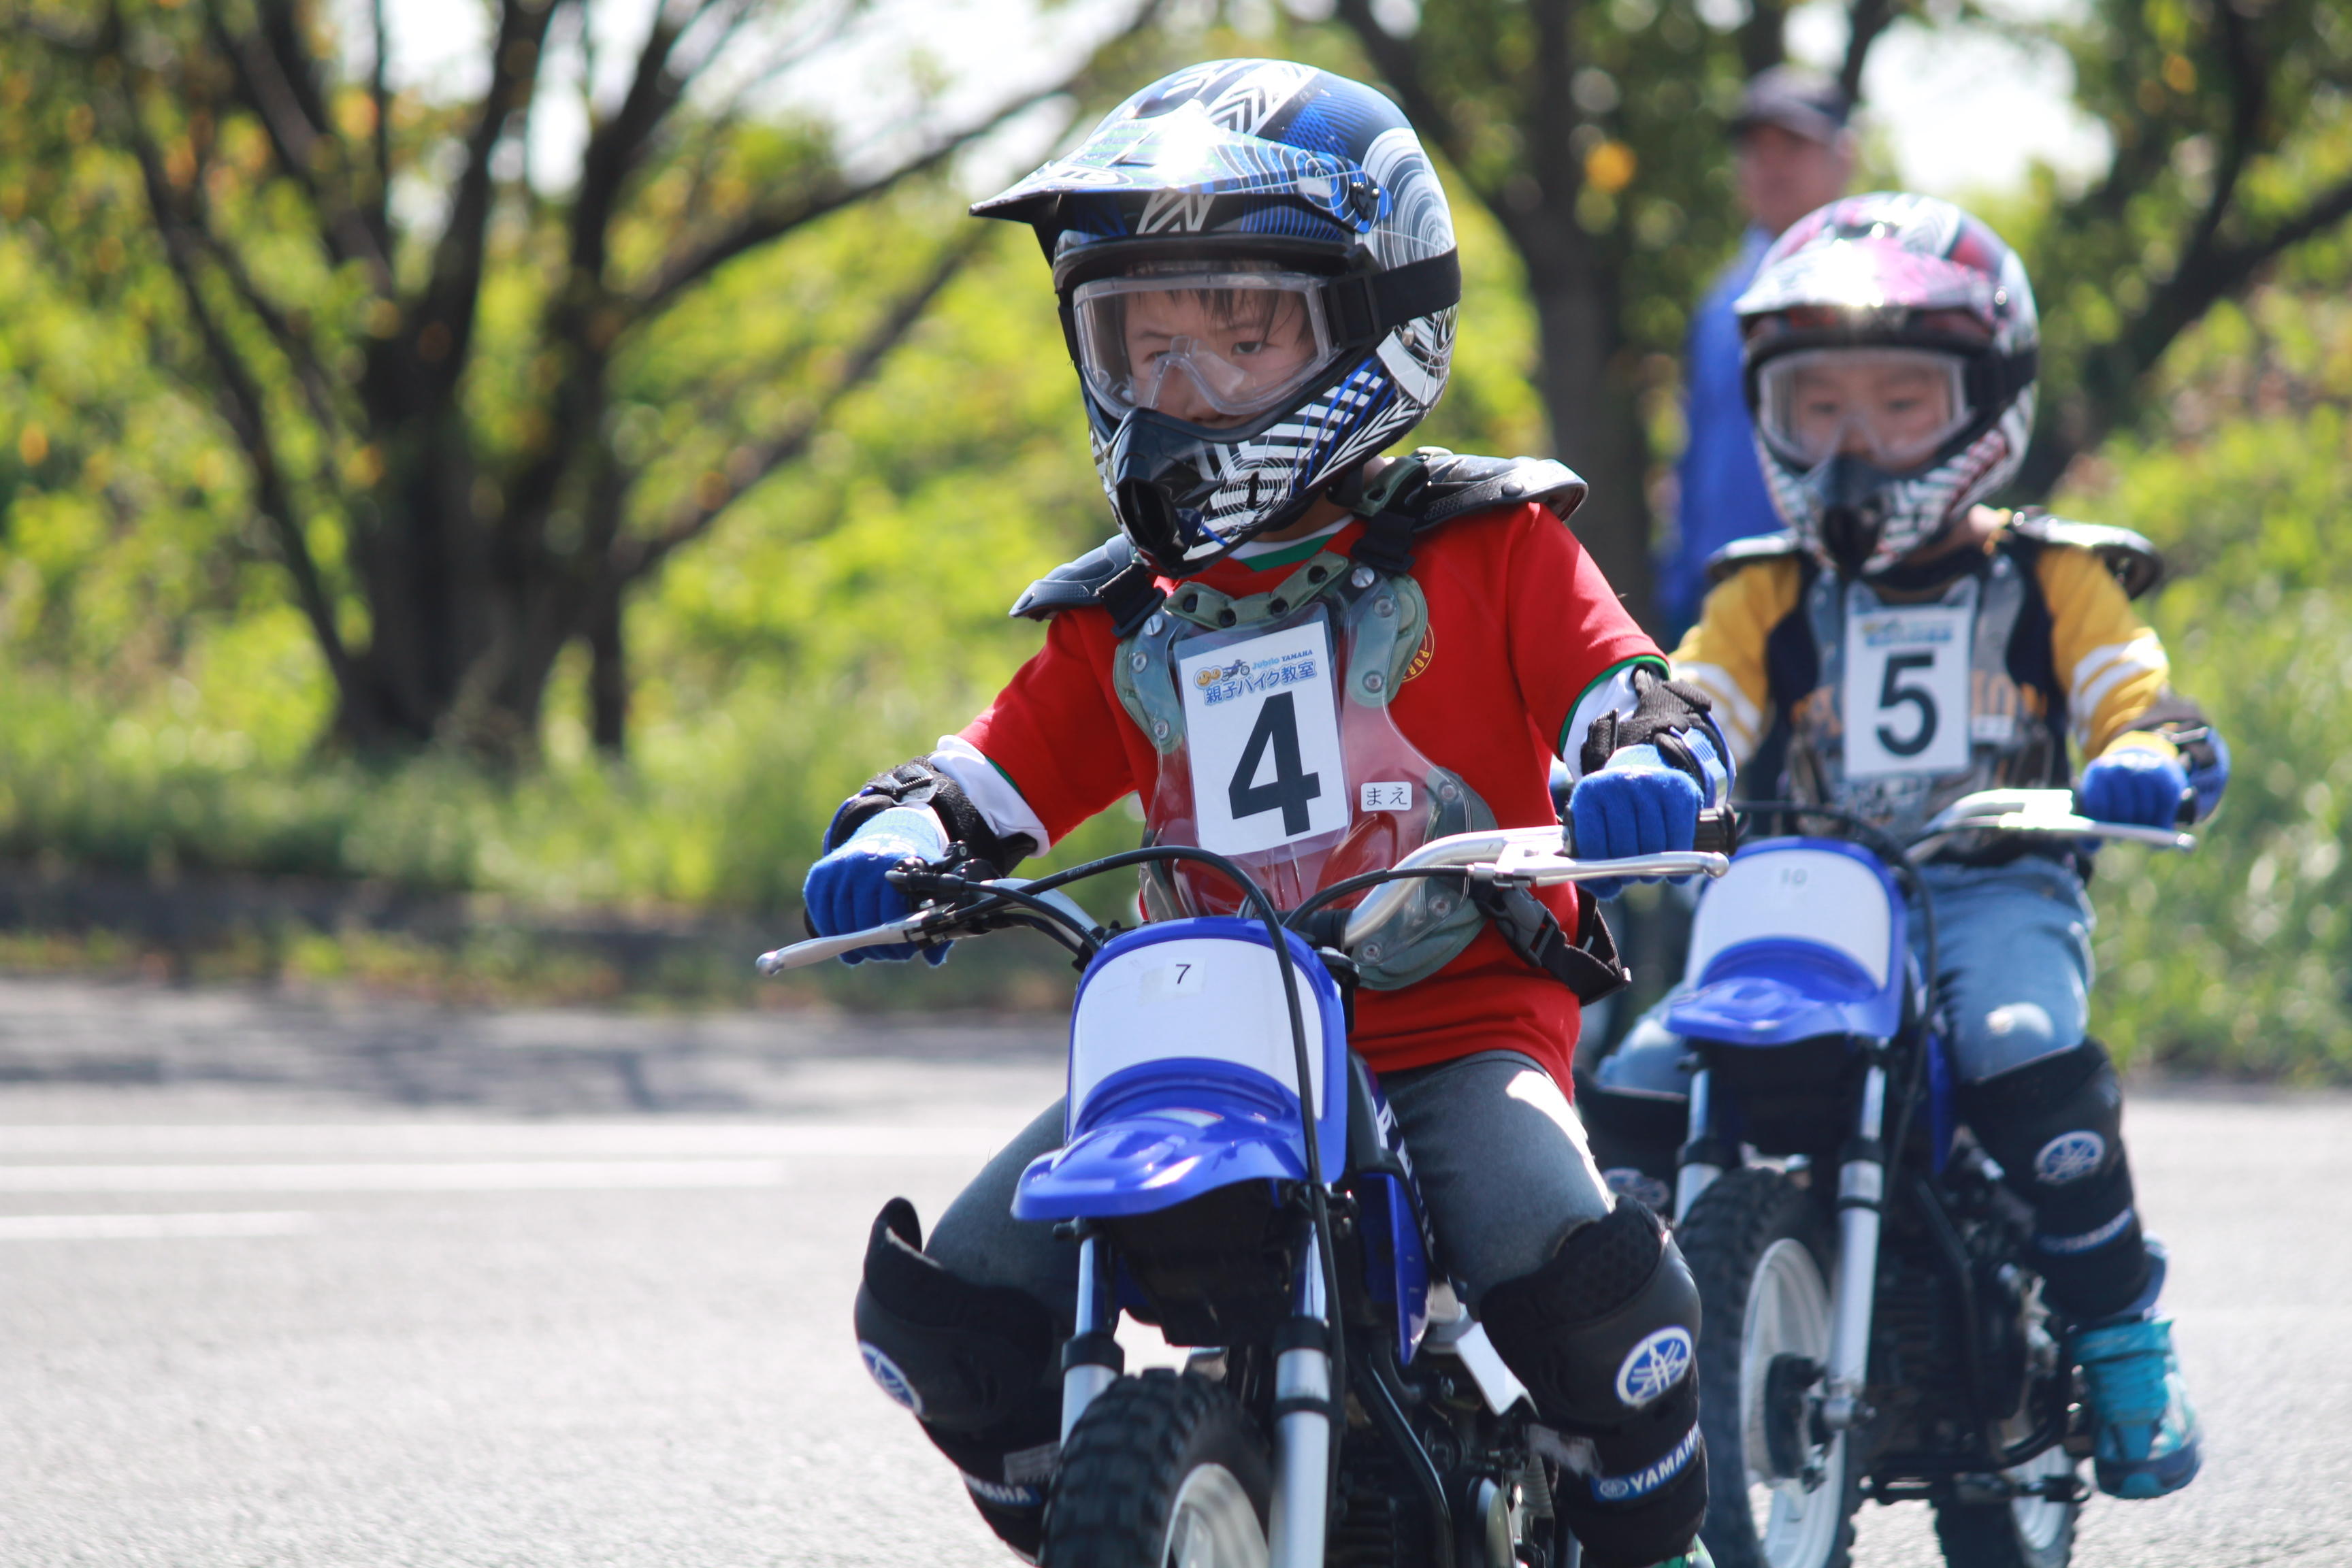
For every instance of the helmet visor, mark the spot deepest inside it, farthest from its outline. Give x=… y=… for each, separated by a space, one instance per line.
x=1214 y=344
x=1895 y=407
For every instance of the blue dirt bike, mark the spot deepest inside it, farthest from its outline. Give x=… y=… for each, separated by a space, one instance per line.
x=1872 y=1321
x=1277 y=1230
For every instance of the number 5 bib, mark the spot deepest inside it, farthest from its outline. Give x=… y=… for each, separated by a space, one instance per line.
x=1905 y=700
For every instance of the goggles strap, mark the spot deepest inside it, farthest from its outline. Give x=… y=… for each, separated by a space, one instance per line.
x=1364 y=308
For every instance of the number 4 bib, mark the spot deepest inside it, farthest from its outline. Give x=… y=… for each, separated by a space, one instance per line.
x=1263 y=727
x=1906 y=700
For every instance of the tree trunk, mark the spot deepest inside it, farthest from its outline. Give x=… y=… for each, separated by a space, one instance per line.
x=1763 y=36
x=608 y=678
x=1596 y=419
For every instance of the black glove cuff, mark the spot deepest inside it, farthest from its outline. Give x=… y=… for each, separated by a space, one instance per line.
x=923 y=782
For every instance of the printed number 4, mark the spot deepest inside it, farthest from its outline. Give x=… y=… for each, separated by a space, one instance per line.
x=1892 y=694
x=1292 y=785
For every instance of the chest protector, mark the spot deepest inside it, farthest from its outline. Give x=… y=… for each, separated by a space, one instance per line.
x=1270 y=712
x=1898 y=705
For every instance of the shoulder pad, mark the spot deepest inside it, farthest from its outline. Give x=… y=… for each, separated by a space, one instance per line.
x=1075 y=584
x=2135 y=563
x=1744 y=552
x=1455 y=485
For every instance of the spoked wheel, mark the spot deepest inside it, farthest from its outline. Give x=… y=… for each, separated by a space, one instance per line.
x=2031 y=1531
x=1163 y=1471
x=1776 y=1498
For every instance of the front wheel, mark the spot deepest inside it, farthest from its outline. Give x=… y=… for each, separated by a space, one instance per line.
x=1776 y=1499
x=2031 y=1531
x=1162 y=1471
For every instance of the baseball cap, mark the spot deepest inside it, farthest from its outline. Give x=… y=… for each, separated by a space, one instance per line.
x=1796 y=99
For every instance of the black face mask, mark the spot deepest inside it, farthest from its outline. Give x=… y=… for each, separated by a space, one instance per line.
x=1163 y=476
x=1163 y=479
x=1852 y=494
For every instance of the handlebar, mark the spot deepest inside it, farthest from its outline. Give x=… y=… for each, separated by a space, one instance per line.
x=1526 y=857
x=2034 y=813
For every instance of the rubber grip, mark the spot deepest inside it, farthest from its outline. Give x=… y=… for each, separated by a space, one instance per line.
x=1717 y=832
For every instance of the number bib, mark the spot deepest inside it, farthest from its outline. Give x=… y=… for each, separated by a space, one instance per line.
x=1264 y=725
x=1277 y=750
x=1905 y=697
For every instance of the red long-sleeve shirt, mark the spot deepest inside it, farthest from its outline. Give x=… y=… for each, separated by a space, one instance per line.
x=1521 y=625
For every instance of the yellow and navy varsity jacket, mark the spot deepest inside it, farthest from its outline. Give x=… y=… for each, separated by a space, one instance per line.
x=1895 y=697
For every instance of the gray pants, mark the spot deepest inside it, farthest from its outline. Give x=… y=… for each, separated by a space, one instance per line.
x=1501 y=1157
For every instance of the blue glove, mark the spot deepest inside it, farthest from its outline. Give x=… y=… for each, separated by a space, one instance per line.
x=846 y=890
x=1635 y=804
x=2135 y=784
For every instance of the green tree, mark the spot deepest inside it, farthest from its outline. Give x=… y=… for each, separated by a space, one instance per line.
x=1595 y=134
x=1594 y=130
x=437 y=377
x=2232 y=125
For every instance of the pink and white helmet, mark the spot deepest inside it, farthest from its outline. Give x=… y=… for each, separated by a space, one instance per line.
x=1891 y=352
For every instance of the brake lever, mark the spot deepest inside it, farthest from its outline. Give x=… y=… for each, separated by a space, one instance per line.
x=959 y=870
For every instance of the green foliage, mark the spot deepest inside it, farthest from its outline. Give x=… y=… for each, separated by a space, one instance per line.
x=2232 y=149
x=851 y=611
x=2235 y=959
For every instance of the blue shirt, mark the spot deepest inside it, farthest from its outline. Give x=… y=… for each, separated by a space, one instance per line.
x=1722 y=485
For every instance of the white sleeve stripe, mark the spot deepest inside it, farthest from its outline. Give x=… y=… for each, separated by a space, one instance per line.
x=1740 y=717
x=2143 y=652
x=1614 y=695
x=992 y=794
x=2086 y=702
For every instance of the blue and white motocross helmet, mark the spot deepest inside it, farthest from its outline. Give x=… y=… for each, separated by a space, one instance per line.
x=1259 y=281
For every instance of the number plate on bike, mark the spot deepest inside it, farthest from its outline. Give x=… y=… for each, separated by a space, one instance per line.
x=1907 y=688
x=1263 y=729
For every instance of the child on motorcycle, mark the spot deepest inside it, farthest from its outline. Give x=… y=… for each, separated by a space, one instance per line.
x=1258 y=283
x=1911 y=647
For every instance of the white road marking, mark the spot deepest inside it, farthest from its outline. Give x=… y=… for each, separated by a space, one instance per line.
x=457 y=1176
x=491 y=1139
x=151 y=1226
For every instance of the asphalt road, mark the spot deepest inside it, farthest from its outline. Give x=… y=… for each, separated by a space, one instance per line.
x=288 y=1283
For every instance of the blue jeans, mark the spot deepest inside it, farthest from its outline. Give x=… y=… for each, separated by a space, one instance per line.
x=2013 y=948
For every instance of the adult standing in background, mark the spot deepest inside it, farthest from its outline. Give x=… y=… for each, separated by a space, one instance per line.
x=1794 y=152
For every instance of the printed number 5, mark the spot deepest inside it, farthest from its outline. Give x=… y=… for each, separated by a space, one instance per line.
x=1292 y=785
x=1891 y=694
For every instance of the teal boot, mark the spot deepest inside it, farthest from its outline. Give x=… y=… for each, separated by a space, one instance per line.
x=2146 y=1443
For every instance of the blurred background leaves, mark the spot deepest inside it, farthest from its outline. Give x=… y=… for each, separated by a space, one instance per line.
x=868 y=490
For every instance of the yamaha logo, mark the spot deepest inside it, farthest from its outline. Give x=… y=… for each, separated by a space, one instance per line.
x=2070 y=1157
x=1654 y=1366
x=1651 y=1477
x=894 y=1382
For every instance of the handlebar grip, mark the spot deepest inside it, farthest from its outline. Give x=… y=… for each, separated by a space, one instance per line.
x=1719 y=831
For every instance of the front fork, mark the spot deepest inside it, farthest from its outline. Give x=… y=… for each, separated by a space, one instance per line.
x=1861 y=1190
x=1093 y=1360
x=1302 y=1419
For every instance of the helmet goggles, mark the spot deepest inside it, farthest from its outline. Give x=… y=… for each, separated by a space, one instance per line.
x=1896 y=407
x=1214 y=343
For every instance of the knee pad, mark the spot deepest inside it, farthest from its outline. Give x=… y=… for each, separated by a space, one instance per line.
x=2056 y=1126
x=1605 y=1336
x=1636 y=1139
x=974 y=1363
